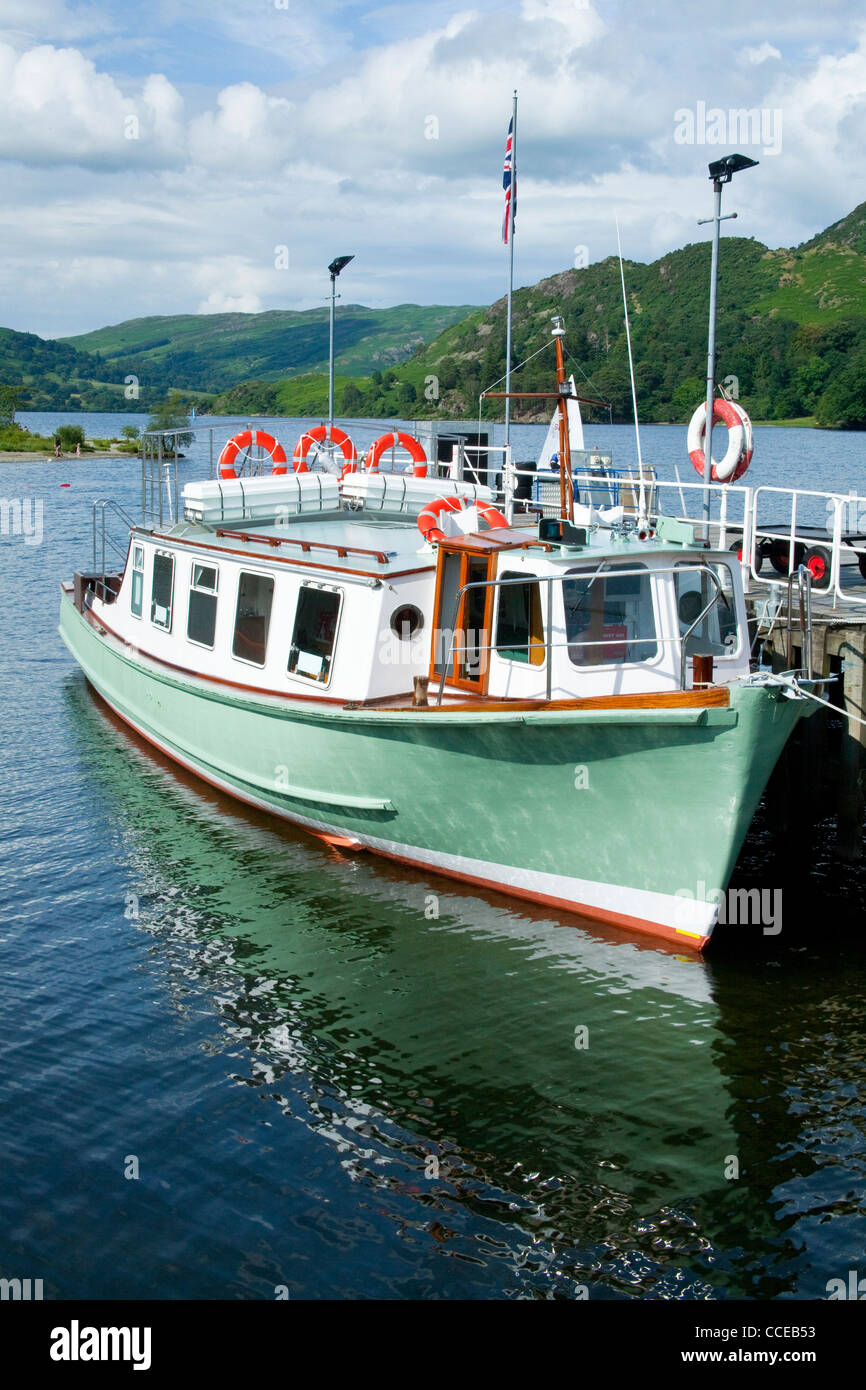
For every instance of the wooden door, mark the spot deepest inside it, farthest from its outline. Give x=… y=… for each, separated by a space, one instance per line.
x=466 y=660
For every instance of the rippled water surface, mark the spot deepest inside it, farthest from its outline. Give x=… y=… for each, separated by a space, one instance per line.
x=322 y=1087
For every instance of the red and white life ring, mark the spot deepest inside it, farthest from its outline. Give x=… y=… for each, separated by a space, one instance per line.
x=740 y=447
x=245 y=440
x=387 y=441
x=428 y=519
x=316 y=435
x=493 y=517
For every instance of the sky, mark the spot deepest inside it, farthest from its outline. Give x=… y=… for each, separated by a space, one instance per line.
x=199 y=156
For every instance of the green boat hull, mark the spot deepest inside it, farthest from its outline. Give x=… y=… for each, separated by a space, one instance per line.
x=629 y=816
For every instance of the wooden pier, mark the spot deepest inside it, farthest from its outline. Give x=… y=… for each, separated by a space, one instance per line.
x=822 y=773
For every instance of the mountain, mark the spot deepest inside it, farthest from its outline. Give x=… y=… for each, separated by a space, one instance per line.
x=199 y=354
x=791 y=338
x=791 y=332
x=56 y=376
x=211 y=352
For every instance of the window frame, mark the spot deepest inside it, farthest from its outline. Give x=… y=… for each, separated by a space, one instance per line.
x=255 y=574
x=611 y=572
x=199 y=589
x=172 y=559
x=317 y=587
x=736 y=653
x=525 y=658
x=137 y=571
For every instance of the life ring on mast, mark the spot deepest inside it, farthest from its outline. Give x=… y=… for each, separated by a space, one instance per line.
x=740 y=445
x=386 y=441
x=428 y=519
x=316 y=435
x=245 y=440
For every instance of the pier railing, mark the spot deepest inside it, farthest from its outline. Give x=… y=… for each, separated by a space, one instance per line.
x=772 y=530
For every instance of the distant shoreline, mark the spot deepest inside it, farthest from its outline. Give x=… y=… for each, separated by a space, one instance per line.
x=39 y=456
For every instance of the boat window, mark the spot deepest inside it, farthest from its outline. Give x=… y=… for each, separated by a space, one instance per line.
x=315 y=632
x=406 y=621
x=609 y=619
x=718 y=633
x=253 y=617
x=201 y=618
x=136 y=596
x=161 y=588
x=519 y=629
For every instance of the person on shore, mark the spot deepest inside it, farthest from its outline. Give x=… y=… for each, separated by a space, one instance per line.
x=78 y=451
x=57 y=453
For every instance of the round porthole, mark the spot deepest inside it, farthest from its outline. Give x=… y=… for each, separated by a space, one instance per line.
x=406 y=621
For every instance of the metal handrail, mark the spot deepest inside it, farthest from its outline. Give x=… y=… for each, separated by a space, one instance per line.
x=606 y=568
x=102 y=505
x=803 y=577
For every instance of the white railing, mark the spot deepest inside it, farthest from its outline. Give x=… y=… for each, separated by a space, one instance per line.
x=835 y=544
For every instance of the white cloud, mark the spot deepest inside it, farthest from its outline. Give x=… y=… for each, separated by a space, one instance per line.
x=23 y=21
x=760 y=54
x=56 y=108
x=99 y=227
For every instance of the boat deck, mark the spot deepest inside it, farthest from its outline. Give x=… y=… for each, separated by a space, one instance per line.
x=341 y=540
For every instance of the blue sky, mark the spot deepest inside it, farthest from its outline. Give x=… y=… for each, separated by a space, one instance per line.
x=158 y=157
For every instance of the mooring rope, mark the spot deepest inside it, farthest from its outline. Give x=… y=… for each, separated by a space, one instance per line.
x=794 y=684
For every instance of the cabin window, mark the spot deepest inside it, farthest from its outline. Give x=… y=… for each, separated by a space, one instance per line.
x=519 y=629
x=253 y=617
x=717 y=634
x=201 y=618
x=136 y=596
x=161 y=589
x=609 y=617
x=315 y=632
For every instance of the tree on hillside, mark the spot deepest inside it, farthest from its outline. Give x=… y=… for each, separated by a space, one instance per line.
x=168 y=416
x=10 y=399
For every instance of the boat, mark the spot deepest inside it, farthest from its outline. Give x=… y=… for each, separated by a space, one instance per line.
x=558 y=707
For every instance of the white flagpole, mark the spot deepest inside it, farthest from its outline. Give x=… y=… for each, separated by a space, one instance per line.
x=511 y=203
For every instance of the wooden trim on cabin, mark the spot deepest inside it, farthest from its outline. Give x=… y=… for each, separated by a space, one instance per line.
x=466 y=554
x=717 y=697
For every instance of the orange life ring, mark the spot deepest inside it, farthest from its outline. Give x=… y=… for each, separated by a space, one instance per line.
x=408 y=442
x=428 y=519
x=245 y=440
x=315 y=436
x=491 y=515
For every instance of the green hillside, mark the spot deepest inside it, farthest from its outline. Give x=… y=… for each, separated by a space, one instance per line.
x=211 y=352
x=791 y=329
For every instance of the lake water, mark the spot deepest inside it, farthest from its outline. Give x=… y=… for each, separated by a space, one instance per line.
x=321 y=1088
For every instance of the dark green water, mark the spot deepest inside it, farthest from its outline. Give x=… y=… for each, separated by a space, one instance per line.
x=285 y=1038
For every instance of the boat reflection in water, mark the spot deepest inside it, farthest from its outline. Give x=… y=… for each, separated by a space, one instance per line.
x=548 y=1106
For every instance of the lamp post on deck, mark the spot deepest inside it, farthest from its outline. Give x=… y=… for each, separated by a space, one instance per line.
x=721 y=172
x=337 y=264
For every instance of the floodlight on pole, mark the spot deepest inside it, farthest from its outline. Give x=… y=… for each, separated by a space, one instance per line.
x=721 y=171
x=337 y=264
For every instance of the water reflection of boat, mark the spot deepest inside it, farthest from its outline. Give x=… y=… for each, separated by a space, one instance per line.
x=567 y=1157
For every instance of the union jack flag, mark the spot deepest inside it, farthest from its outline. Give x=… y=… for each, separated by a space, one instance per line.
x=509 y=183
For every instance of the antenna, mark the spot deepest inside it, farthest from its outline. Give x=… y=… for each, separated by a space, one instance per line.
x=642 y=517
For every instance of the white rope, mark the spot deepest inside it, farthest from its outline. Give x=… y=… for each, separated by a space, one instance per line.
x=810 y=695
